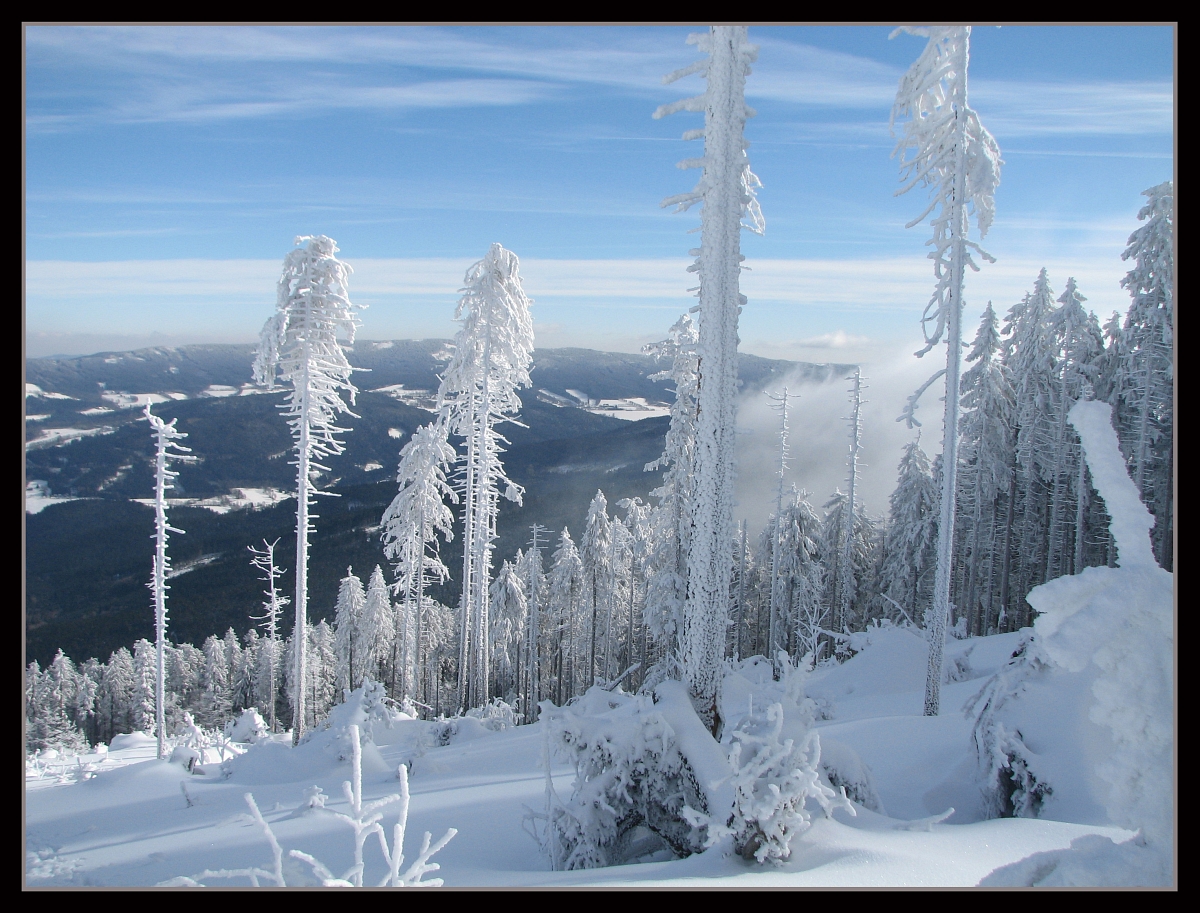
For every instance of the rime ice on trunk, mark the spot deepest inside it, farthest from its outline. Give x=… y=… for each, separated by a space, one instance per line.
x=264 y=560
x=726 y=190
x=300 y=344
x=165 y=438
x=846 y=568
x=959 y=159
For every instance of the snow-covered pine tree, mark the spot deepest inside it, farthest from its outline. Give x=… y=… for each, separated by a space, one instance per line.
x=410 y=527
x=726 y=190
x=347 y=627
x=566 y=592
x=958 y=158
x=269 y=653
x=115 y=699
x=301 y=344
x=1079 y=343
x=142 y=706
x=986 y=457
x=910 y=548
x=167 y=447
x=802 y=575
x=508 y=612
x=670 y=524
x=595 y=550
x=1145 y=384
x=533 y=578
x=1031 y=360
x=217 y=697
x=478 y=391
x=855 y=574
x=639 y=531
x=378 y=632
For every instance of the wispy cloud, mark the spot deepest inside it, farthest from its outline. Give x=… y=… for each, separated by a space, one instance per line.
x=839 y=339
x=1081 y=108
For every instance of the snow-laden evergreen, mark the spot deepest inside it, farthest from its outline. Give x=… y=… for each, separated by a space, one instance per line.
x=478 y=391
x=958 y=158
x=349 y=643
x=726 y=189
x=410 y=527
x=302 y=344
x=986 y=458
x=1144 y=379
x=264 y=560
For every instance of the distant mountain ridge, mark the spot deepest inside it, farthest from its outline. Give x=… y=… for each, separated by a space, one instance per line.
x=87 y=560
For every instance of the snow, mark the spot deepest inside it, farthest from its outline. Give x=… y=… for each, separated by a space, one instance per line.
x=633 y=409
x=134 y=400
x=219 y=390
x=56 y=437
x=419 y=399
x=37 y=418
x=82 y=831
x=236 y=499
x=35 y=390
x=372 y=466
x=96 y=410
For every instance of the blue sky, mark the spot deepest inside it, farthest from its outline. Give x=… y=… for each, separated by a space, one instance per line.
x=169 y=168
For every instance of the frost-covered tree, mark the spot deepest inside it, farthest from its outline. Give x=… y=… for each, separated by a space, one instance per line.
x=801 y=575
x=410 y=527
x=566 y=596
x=1031 y=361
x=145 y=678
x=1079 y=343
x=347 y=625
x=115 y=699
x=302 y=344
x=849 y=576
x=670 y=523
x=845 y=578
x=508 y=612
x=726 y=189
x=536 y=590
x=166 y=447
x=1145 y=383
x=378 y=632
x=596 y=553
x=478 y=391
x=955 y=156
x=264 y=560
x=776 y=638
x=217 y=697
x=909 y=552
x=986 y=456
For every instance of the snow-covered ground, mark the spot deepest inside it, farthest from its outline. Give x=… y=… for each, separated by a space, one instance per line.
x=237 y=499
x=418 y=399
x=630 y=410
x=133 y=820
x=54 y=437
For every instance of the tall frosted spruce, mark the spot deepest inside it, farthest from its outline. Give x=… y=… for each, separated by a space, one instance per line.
x=409 y=532
x=166 y=438
x=300 y=345
x=492 y=354
x=954 y=155
x=726 y=189
x=776 y=640
x=264 y=560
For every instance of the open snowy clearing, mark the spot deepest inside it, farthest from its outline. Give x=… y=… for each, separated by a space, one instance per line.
x=128 y=821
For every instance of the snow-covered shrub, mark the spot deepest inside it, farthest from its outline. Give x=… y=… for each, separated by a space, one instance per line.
x=632 y=784
x=248 y=727
x=774 y=756
x=367 y=708
x=497 y=715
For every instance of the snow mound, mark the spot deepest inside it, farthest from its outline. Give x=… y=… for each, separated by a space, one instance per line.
x=1091 y=861
x=132 y=740
x=1093 y=687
